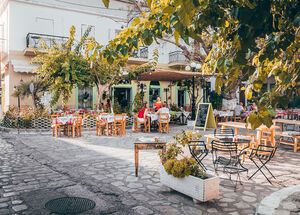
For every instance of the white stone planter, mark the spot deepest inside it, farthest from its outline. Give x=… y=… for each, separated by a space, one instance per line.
x=199 y=189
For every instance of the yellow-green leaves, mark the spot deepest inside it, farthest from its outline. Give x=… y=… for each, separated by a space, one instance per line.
x=248 y=92
x=176 y=37
x=106 y=3
x=136 y=21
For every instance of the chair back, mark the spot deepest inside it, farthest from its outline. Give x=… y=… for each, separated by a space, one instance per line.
x=224 y=133
x=224 y=146
x=163 y=117
x=119 y=118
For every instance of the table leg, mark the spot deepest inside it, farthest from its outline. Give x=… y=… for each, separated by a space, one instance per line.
x=136 y=160
x=295 y=144
x=236 y=131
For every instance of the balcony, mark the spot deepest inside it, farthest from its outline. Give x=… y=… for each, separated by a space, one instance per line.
x=139 y=56
x=177 y=59
x=33 y=42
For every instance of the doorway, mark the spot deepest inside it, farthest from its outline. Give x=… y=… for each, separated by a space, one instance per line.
x=122 y=96
x=181 y=98
x=85 y=98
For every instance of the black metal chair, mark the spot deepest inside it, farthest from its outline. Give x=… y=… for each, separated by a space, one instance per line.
x=226 y=155
x=224 y=133
x=199 y=151
x=261 y=156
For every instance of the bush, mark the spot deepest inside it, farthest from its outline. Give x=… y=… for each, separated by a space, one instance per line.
x=181 y=167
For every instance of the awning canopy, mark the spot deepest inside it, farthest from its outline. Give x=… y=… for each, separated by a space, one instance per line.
x=169 y=75
x=23 y=66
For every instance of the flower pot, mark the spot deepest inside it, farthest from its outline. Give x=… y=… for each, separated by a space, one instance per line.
x=199 y=189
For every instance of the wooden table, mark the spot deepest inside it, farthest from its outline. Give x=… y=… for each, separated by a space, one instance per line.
x=285 y=121
x=295 y=137
x=238 y=125
x=144 y=144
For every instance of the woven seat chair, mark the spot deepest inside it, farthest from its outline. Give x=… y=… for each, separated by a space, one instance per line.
x=163 y=122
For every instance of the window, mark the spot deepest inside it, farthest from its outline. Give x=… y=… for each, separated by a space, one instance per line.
x=84 y=27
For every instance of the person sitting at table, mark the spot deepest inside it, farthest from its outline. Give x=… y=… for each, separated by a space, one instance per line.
x=157 y=105
x=239 y=109
x=142 y=114
x=163 y=109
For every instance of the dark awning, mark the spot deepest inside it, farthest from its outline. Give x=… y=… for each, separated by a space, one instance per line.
x=169 y=75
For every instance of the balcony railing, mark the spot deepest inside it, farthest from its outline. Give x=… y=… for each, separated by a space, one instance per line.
x=142 y=53
x=34 y=40
x=176 y=57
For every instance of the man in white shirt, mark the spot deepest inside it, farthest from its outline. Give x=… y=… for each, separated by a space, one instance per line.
x=164 y=109
x=239 y=109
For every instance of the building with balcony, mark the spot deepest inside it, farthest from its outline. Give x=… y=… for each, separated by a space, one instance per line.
x=25 y=23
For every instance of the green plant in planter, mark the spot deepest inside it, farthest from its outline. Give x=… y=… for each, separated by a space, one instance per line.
x=185 y=166
x=186 y=136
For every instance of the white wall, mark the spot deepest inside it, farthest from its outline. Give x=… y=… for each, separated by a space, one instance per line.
x=25 y=18
x=4 y=26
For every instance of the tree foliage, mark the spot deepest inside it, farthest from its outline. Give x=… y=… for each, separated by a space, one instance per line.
x=251 y=40
x=62 y=67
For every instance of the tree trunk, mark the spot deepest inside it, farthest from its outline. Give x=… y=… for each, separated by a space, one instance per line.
x=230 y=99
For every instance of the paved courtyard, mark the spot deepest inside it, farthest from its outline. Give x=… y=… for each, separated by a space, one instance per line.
x=36 y=168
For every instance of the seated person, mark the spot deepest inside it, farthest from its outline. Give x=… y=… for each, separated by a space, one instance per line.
x=164 y=109
x=142 y=114
x=239 y=109
x=157 y=105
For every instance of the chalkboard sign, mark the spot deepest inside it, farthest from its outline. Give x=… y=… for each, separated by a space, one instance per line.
x=205 y=117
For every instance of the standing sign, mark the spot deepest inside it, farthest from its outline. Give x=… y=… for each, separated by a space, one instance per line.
x=205 y=117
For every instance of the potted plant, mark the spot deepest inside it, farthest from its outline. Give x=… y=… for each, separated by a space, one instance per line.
x=183 y=174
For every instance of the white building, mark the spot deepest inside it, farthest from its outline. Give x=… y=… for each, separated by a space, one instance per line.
x=24 y=22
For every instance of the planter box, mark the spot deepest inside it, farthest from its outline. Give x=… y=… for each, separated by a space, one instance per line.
x=199 y=189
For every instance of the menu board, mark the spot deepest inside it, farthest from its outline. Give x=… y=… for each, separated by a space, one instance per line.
x=205 y=116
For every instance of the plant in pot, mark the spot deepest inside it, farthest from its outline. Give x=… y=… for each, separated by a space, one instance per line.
x=183 y=174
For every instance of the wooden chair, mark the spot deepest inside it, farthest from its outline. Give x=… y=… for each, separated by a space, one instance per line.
x=55 y=126
x=77 y=127
x=266 y=136
x=238 y=118
x=100 y=125
x=119 y=124
x=139 y=122
x=163 y=122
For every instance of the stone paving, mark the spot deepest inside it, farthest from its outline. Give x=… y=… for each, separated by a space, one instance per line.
x=37 y=167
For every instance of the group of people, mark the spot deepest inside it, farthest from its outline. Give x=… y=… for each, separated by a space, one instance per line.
x=240 y=110
x=159 y=107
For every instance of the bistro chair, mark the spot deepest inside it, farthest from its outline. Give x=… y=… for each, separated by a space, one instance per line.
x=267 y=135
x=55 y=125
x=227 y=157
x=261 y=156
x=118 y=126
x=163 y=122
x=100 y=125
x=224 y=133
x=199 y=151
x=77 y=127
x=141 y=122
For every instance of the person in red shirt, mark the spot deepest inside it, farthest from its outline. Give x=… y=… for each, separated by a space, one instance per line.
x=142 y=114
x=157 y=105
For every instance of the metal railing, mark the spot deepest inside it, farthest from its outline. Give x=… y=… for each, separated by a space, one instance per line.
x=33 y=40
x=176 y=56
x=141 y=53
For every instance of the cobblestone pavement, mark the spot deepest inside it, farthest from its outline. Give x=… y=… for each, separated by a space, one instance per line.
x=37 y=167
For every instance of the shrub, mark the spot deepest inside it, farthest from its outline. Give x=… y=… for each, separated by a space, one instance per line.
x=181 y=167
